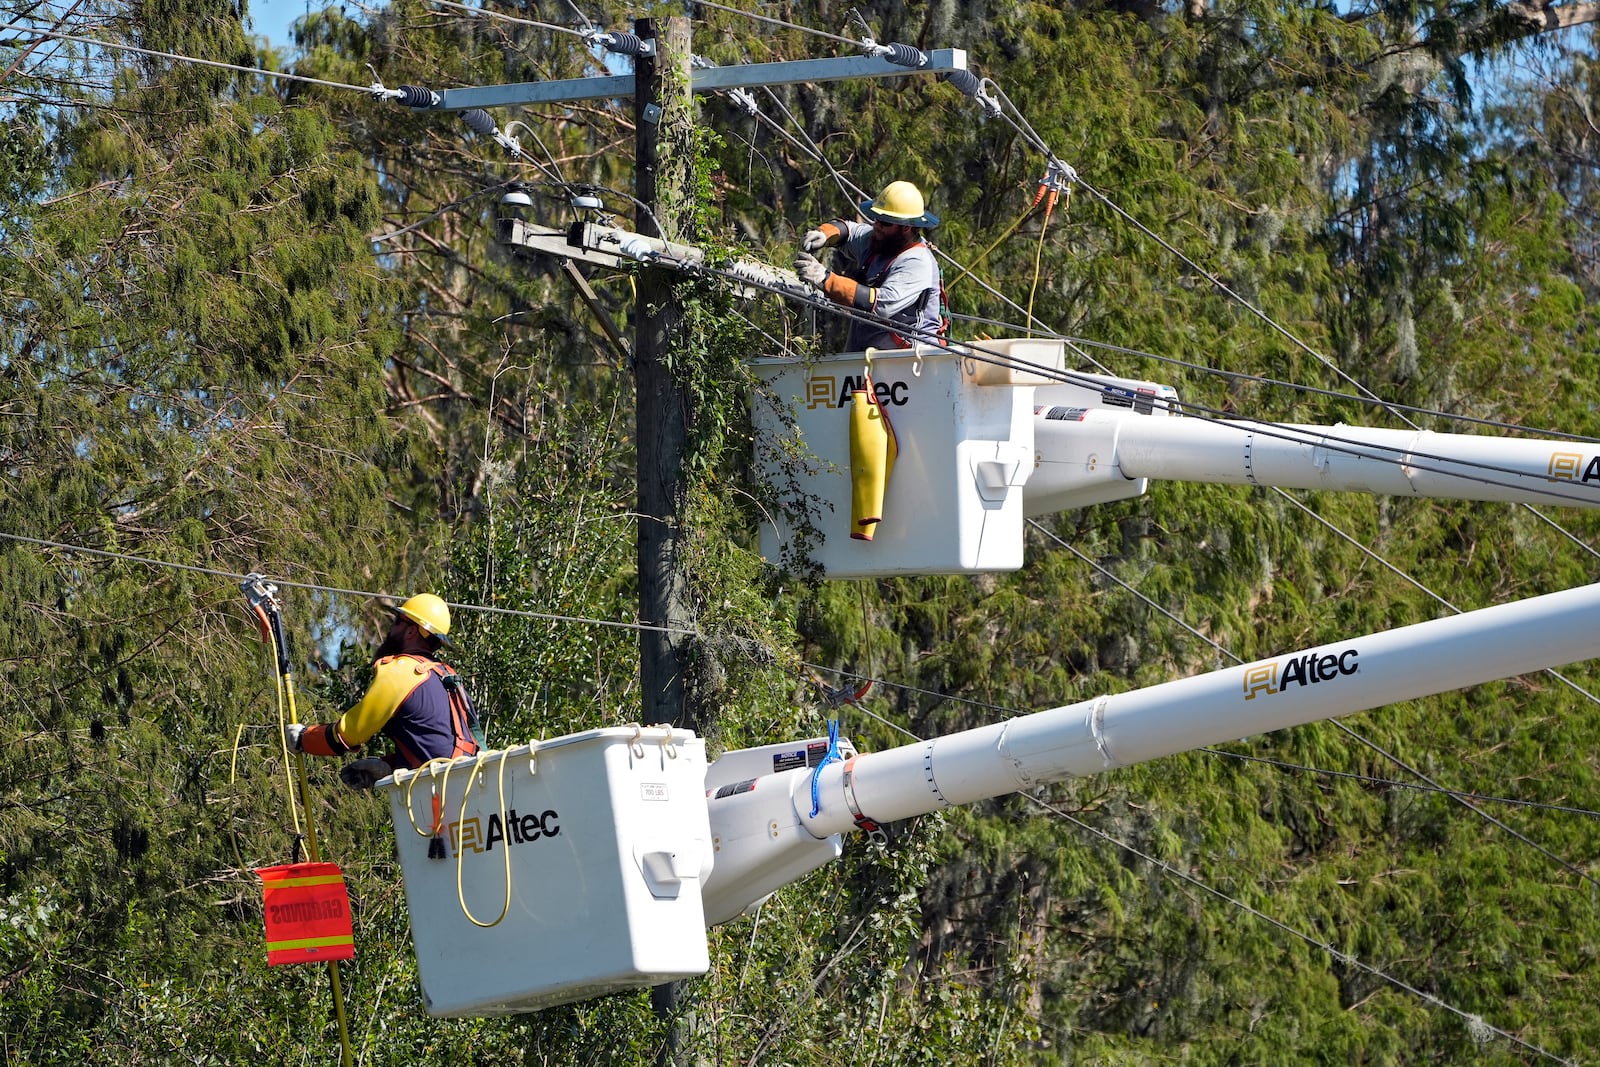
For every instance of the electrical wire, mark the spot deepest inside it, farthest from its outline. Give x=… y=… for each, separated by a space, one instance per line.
x=1395 y=783
x=365 y=594
x=769 y=20
x=1320 y=437
x=258 y=71
x=500 y=16
x=1022 y=127
x=852 y=191
x=1033 y=138
x=1012 y=114
x=808 y=145
x=1476 y=1022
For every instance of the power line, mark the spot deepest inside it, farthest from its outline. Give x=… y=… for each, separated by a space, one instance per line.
x=1323 y=437
x=1395 y=783
x=366 y=594
x=154 y=53
x=500 y=16
x=779 y=22
x=1020 y=123
x=1475 y=1022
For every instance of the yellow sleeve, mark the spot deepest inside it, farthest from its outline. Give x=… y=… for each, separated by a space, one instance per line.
x=392 y=681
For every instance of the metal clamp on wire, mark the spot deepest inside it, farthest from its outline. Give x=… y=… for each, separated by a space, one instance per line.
x=874 y=831
x=901 y=55
x=1058 y=176
x=412 y=96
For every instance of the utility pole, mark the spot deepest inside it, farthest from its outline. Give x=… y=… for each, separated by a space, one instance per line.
x=663 y=85
x=663 y=104
x=663 y=183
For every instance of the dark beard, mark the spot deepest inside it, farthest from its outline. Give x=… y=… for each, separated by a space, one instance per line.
x=890 y=244
x=405 y=640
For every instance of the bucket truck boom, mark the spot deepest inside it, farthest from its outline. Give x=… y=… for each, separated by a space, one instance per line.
x=767 y=828
x=986 y=438
x=607 y=854
x=1078 y=447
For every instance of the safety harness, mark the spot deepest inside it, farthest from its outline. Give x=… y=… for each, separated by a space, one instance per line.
x=464 y=725
x=913 y=314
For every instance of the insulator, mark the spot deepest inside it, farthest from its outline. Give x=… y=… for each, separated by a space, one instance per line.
x=481 y=122
x=964 y=80
x=417 y=96
x=627 y=44
x=903 y=55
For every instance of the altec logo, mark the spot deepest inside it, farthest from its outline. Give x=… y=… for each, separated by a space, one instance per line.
x=1566 y=467
x=827 y=391
x=1309 y=669
x=470 y=834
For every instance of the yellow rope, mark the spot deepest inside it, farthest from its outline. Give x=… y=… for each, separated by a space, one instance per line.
x=233 y=765
x=461 y=895
x=444 y=792
x=985 y=254
x=1038 y=255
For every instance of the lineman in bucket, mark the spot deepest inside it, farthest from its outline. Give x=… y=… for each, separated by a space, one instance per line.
x=892 y=272
x=415 y=700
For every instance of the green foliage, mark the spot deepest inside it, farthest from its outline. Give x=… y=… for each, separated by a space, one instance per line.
x=245 y=329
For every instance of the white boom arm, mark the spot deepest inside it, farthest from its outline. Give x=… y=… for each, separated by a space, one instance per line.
x=767 y=835
x=1081 y=447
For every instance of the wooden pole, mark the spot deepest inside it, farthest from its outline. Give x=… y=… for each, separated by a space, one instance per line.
x=663 y=183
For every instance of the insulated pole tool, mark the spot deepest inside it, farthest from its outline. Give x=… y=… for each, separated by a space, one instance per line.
x=262 y=597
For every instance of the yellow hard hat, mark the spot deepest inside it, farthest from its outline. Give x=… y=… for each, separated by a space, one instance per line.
x=428 y=612
x=901 y=204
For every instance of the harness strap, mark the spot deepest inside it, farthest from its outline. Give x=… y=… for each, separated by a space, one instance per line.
x=912 y=313
x=462 y=716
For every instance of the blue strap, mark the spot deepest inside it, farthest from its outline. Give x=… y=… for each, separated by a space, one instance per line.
x=831 y=756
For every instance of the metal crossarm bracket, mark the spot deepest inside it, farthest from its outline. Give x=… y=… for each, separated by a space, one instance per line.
x=702 y=80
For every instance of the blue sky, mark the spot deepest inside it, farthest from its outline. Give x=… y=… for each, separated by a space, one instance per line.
x=271 y=18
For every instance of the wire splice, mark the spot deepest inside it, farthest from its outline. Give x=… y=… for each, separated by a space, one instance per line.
x=1058 y=176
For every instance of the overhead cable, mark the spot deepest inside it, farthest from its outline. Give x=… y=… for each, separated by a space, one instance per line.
x=1475 y=1021
x=1324 y=437
x=280 y=75
x=367 y=594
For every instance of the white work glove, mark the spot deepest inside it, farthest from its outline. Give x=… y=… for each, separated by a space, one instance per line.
x=813 y=241
x=364 y=773
x=291 y=735
x=810 y=269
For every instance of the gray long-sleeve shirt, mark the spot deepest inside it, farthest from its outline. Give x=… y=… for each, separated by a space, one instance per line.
x=903 y=288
